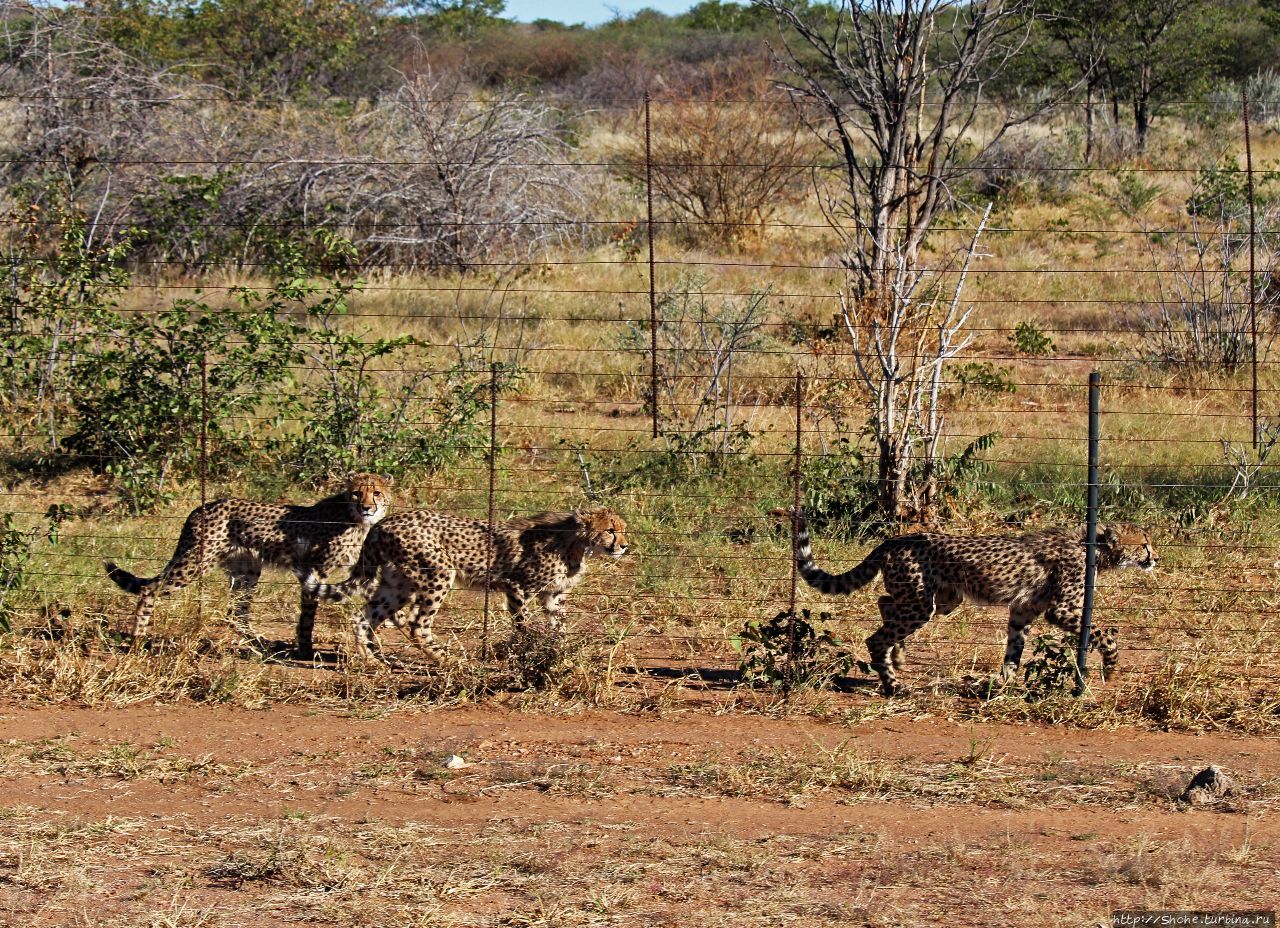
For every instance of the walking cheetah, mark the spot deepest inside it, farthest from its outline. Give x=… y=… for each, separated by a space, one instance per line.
x=421 y=553
x=924 y=574
x=241 y=536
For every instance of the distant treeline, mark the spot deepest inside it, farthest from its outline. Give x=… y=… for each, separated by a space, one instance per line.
x=1138 y=55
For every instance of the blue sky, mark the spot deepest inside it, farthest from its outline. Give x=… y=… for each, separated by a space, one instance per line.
x=591 y=12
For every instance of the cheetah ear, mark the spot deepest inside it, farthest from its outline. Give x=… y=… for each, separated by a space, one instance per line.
x=390 y=480
x=589 y=518
x=1105 y=533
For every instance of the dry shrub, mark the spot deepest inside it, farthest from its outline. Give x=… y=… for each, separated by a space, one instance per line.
x=287 y=859
x=616 y=80
x=787 y=776
x=1021 y=169
x=86 y=665
x=538 y=56
x=724 y=164
x=1199 y=691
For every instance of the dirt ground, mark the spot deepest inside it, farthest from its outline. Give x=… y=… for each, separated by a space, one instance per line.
x=164 y=815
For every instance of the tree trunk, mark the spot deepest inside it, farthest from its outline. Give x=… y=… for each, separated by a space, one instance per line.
x=1142 y=107
x=1088 y=124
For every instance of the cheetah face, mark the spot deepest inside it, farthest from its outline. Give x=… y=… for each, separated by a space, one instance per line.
x=370 y=495
x=1122 y=546
x=605 y=532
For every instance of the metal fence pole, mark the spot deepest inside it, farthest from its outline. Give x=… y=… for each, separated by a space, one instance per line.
x=493 y=468
x=653 y=292
x=1091 y=531
x=789 y=678
x=204 y=467
x=1253 y=281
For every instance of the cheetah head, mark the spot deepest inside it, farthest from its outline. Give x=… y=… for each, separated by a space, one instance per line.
x=603 y=530
x=1125 y=546
x=370 y=496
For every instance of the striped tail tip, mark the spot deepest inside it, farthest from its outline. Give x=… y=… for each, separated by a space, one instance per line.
x=123 y=579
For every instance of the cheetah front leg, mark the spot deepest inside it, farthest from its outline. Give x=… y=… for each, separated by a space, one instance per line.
x=245 y=571
x=390 y=597
x=304 y=634
x=431 y=591
x=1021 y=615
x=553 y=605
x=1104 y=640
x=518 y=606
x=419 y=617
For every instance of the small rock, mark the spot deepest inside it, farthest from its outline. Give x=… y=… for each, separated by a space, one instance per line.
x=1209 y=785
x=454 y=762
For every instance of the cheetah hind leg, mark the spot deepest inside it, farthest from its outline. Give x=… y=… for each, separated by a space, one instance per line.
x=417 y=624
x=244 y=571
x=900 y=619
x=390 y=597
x=945 y=602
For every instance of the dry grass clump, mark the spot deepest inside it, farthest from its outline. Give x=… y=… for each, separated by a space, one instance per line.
x=120 y=761
x=787 y=776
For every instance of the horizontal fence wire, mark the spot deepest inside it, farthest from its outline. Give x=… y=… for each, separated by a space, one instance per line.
x=569 y=323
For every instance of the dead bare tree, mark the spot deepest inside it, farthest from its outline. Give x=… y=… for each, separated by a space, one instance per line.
x=894 y=89
x=458 y=178
x=82 y=106
x=900 y=359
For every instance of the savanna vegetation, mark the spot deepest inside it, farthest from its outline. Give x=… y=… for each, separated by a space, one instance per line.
x=253 y=245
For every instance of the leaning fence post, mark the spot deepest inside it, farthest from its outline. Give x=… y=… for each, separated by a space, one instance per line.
x=789 y=677
x=1091 y=531
x=493 y=458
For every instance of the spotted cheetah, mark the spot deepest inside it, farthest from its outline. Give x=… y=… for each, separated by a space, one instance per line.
x=924 y=574
x=241 y=536
x=421 y=553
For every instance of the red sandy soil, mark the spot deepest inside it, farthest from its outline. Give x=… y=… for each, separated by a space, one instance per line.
x=1048 y=825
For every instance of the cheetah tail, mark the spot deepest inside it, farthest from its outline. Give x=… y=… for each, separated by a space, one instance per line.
x=853 y=579
x=127 y=581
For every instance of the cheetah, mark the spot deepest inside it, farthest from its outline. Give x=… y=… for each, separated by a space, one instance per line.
x=927 y=574
x=241 y=536
x=421 y=553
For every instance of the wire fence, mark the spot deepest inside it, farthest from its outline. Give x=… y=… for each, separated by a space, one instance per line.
x=602 y=412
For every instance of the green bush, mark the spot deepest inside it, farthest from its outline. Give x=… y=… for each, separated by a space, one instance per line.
x=1051 y=671
x=1029 y=339
x=15 y=555
x=59 y=289
x=288 y=378
x=839 y=491
x=137 y=395
x=985 y=379
x=774 y=654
